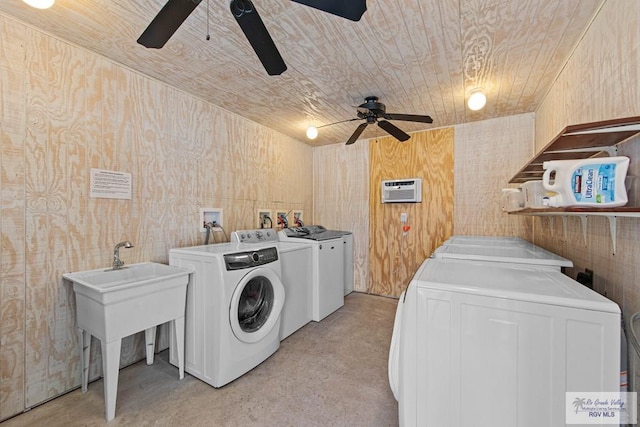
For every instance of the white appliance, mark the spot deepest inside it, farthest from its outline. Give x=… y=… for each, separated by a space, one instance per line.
x=327 y=266
x=500 y=250
x=486 y=240
x=498 y=345
x=296 y=261
x=233 y=308
x=402 y=191
x=347 y=240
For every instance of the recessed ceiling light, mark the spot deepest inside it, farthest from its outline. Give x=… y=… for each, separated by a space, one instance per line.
x=40 y=4
x=477 y=100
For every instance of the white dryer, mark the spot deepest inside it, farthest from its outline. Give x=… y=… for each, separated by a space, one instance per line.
x=233 y=309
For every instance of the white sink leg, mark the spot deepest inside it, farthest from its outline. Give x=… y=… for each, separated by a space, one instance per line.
x=150 y=343
x=85 y=351
x=110 y=368
x=177 y=325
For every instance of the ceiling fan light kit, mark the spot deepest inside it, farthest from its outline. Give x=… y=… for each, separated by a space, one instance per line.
x=175 y=12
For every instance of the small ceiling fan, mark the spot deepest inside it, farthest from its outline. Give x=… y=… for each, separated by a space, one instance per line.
x=375 y=112
x=175 y=12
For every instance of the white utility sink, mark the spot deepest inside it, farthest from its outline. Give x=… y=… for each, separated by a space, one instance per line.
x=112 y=304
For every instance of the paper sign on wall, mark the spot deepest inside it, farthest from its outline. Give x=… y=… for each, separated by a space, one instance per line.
x=110 y=184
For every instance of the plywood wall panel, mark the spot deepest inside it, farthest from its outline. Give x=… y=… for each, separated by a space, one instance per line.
x=487 y=154
x=341 y=199
x=12 y=220
x=394 y=257
x=599 y=82
x=75 y=111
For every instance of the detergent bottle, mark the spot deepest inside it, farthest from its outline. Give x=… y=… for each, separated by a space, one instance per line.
x=595 y=182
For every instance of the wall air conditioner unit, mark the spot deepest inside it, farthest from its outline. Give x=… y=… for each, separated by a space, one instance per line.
x=402 y=191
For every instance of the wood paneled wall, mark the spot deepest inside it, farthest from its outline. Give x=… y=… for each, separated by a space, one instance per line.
x=341 y=199
x=487 y=154
x=64 y=111
x=600 y=81
x=393 y=255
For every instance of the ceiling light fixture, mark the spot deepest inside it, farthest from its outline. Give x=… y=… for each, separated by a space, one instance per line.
x=40 y=4
x=312 y=132
x=477 y=100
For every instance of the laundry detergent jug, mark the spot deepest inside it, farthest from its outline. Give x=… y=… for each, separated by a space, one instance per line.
x=595 y=182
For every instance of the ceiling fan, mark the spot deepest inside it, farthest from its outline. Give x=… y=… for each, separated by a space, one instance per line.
x=175 y=12
x=375 y=112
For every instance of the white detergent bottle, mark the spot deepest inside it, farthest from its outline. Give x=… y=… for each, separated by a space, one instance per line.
x=595 y=182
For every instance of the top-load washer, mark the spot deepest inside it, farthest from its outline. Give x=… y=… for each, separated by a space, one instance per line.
x=318 y=232
x=296 y=261
x=233 y=308
x=499 y=344
x=510 y=250
x=327 y=266
x=486 y=240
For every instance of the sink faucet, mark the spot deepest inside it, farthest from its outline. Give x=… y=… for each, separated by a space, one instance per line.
x=117 y=262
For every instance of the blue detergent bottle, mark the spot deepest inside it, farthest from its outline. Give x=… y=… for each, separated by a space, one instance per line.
x=596 y=182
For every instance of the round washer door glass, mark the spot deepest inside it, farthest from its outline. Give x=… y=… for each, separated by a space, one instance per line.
x=256 y=305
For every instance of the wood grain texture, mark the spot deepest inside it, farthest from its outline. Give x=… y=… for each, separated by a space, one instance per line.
x=599 y=82
x=67 y=110
x=486 y=155
x=418 y=56
x=394 y=257
x=12 y=219
x=341 y=199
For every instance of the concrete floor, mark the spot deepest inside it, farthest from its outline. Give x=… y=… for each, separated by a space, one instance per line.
x=330 y=373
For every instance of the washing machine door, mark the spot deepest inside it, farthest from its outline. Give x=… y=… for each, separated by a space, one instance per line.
x=256 y=305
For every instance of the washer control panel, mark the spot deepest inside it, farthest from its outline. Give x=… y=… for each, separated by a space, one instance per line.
x=249 y=259
x=255 y=236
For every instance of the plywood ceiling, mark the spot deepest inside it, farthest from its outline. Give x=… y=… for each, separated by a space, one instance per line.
x=418 y=56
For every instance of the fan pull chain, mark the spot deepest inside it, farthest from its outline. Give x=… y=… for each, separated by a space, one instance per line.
x=208 y=34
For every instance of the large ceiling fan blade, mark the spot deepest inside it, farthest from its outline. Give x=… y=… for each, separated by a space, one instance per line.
x=408 y=117
x=353 y=138
x=258 y=36
x=393 y=130
x=166 y=22
x=349 y=9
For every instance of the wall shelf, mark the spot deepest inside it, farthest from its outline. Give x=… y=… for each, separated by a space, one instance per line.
x=611 y=214
x=581 y=142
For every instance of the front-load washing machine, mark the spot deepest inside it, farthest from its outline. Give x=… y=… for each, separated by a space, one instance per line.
x=296 y=260
x=233 y=309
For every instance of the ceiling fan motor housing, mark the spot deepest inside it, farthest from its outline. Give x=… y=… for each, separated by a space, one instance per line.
x=372 y=104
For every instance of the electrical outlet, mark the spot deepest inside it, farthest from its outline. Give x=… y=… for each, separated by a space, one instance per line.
x=586 y=278
x=403 y=217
